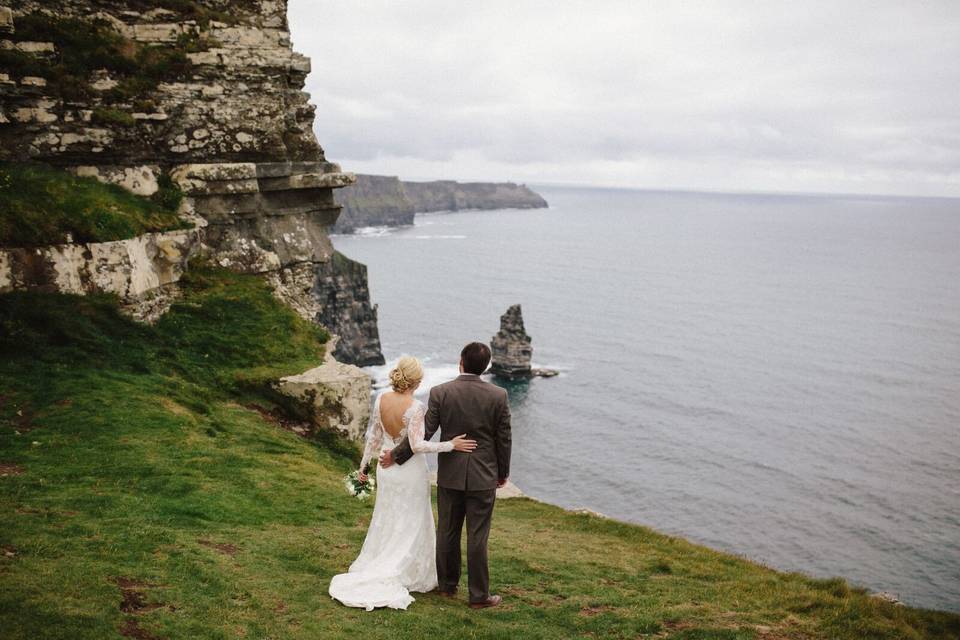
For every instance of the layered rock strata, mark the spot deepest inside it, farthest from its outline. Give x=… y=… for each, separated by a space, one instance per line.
x=341 y=288
x=207 y=94
x=142 y=271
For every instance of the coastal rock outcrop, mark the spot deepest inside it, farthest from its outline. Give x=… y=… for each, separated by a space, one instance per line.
x=511 y=349
x=332 y=396
x=142 y=271
x=205 y=95
x=345 y=308
x=376 y=201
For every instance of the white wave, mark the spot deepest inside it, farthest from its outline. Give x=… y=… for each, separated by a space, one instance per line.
x=436 y=237
x=373 y=231
x=434 y=373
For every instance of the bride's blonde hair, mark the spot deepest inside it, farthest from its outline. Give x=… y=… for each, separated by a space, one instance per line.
x=406 y=375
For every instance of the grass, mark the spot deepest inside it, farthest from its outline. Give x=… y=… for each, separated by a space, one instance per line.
x=41 y=205
x=109 y=116
x=143 y=497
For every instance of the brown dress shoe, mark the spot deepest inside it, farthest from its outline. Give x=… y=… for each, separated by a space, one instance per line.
x=492 y=601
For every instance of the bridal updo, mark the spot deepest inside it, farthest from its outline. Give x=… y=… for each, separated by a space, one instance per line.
x=406 y=375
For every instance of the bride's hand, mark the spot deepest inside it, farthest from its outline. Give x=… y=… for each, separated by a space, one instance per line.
x=460 y=443
x=362 y=476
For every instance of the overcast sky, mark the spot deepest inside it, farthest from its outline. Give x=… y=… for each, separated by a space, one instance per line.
x=741 y=96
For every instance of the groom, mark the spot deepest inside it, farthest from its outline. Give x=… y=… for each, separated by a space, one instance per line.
x=466 y=482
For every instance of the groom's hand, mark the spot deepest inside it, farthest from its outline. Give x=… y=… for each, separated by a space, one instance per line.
x=386 y=459
x=501 y=483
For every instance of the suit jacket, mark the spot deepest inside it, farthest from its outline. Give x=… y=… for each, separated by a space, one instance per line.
x=479 y=410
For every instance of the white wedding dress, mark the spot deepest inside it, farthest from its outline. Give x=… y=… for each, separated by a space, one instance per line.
x=399 y=553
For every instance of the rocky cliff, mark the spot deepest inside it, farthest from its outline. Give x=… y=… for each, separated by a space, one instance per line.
x=374 y=201
x=204 y=95
x=387 y=201
x=447 y=195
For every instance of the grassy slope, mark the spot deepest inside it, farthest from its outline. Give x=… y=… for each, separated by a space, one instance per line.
x=41 y=205
x=142 y=495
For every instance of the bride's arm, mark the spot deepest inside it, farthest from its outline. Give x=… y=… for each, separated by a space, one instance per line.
x=415 y=434
x=374 y=439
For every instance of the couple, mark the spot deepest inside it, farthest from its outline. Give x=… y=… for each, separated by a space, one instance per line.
x=401 y=552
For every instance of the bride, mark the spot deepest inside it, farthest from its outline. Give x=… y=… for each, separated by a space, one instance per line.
x=399 y=553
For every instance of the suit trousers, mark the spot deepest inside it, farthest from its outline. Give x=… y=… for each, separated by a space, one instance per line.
x=452 y=507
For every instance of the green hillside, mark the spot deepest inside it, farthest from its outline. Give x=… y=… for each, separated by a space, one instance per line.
x=148 y=491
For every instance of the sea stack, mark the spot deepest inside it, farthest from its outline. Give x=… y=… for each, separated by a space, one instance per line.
x=511 y=349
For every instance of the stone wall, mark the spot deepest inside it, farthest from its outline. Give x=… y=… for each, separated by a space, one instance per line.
x=208 y=93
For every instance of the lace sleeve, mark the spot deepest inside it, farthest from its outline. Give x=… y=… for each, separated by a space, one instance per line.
x=415 y=434
x=374 y=436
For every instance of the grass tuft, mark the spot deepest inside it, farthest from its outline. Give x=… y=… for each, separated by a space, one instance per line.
x=42 y=205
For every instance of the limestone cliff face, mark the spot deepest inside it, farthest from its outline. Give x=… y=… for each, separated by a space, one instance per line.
x=207 y=94
x=341 y=288
x=447 y=195
x=388 y=201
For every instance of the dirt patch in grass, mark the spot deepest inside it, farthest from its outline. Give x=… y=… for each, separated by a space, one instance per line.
x=132 y=599
x=8 y=550
x=131 y=629
x=10 y=469
x=134 y=602
x=223 y=547
x=277 y=418
x=23 y=420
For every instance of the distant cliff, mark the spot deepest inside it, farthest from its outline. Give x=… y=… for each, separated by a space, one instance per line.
x=374 y=201
x=387 y=201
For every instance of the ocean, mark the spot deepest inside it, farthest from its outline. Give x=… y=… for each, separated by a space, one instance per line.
x=773 y=376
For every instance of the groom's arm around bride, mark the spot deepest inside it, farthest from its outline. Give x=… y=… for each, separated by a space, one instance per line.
x=478 y=410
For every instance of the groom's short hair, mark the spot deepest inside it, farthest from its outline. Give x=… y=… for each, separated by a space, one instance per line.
x=475 y=357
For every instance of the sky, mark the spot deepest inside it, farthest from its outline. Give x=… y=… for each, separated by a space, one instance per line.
x=831 y=97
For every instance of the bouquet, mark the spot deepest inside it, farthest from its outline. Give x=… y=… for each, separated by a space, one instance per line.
x=360 y=489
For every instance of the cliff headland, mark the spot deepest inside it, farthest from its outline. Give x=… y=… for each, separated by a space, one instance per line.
x=375 y=201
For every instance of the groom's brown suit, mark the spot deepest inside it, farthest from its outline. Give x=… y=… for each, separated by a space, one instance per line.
x=466 y=482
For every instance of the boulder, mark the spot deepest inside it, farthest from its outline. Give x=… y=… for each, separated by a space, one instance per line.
x=333 y=396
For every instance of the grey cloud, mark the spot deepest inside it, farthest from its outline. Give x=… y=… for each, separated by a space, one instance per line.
x=805 y=96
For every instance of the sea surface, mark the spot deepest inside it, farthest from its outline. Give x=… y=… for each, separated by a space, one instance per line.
x=774 y=376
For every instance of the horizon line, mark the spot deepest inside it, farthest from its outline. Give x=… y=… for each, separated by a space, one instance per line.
x=690 y=190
